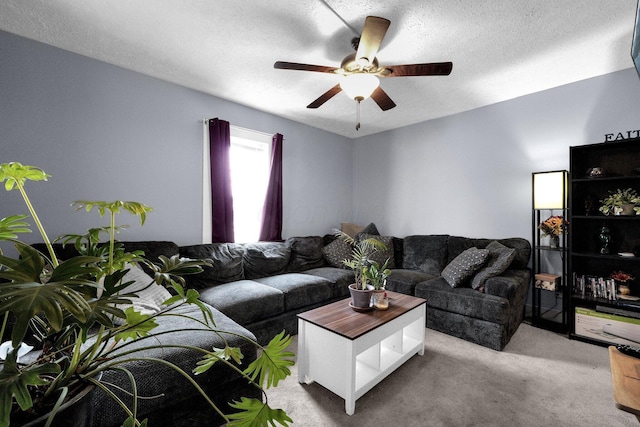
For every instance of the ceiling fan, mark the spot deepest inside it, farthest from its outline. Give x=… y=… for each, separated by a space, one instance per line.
x=360 y=70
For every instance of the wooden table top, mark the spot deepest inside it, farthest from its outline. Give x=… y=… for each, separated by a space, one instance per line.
x=625 y=373
x=340 y=318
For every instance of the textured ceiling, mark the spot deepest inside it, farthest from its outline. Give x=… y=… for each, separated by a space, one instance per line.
x=500 y=49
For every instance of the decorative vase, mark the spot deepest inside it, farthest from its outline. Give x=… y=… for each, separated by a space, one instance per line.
x=605 y=240
x=360 y=298
x=554 y=242
x=379 y=299
x=627 y=209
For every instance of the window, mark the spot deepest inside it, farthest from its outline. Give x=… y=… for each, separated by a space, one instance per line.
x=250 y=158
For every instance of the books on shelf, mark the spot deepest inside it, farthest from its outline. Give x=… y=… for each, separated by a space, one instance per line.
x=594 y=287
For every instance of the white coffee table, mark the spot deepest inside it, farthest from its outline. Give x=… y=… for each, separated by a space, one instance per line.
x=349 y=352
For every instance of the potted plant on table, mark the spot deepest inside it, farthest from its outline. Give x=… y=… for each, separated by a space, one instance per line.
x=621 y=202
x=370 y=276
x=74 y=308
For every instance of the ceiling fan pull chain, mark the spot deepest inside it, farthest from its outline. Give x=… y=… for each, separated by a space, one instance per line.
x=358 y=99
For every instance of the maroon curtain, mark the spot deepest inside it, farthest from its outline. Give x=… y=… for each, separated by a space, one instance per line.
x=221 y=197
x=271 y=228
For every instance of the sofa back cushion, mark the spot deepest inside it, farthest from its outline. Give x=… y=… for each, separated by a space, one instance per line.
x=265 y=259
x=306 y=253
x=457 y=245
x=426 y=253
x=226 y=259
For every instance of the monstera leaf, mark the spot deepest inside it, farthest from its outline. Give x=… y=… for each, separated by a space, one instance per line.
x=273 y=364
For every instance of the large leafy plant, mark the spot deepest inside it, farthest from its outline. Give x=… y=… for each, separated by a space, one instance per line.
x=71 y=307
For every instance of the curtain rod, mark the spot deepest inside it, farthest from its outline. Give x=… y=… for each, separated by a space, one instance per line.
x=206 y=121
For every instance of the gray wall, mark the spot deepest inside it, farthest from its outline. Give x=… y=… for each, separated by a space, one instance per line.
x=105 y=133
x=470 y=174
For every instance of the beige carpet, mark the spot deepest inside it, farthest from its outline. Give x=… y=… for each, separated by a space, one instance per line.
x=539 y=379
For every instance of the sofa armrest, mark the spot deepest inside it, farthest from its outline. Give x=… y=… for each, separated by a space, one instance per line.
x=508 y=284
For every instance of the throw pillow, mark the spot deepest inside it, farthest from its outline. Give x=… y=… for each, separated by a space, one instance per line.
x=369 y=229
x=306 y=253
x=381 y=255
x=265 y=259
x=150 y=295
x=500 y=257
x=336 y=252
x=460 y=270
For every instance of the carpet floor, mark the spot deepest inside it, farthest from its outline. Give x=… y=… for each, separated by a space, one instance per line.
x=539 y=379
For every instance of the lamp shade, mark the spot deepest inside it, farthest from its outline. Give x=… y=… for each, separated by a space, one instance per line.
x=359 y=85
x=550 y=190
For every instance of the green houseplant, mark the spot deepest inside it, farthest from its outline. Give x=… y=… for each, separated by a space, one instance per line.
x=369 y=274
x=75 y=308
x=620 y=202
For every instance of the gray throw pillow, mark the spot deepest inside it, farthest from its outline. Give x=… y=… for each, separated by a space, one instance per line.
x=460 y=270
x=500 y=257
x=337 y=251
x=380 y=256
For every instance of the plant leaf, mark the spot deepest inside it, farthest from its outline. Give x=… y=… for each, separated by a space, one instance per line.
x=138 y=325
x=11 y=225
x=272 y=364
x=15 y=383
x=254 y=413
x=14 y=172
x=218 y=354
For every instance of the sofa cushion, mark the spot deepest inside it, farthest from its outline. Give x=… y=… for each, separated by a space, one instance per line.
x=381 y=255
x=173 y=388
x=339 y=278
x=405 y=281
x=464 y=301
x=226 y=259
x=152 y=249
x=306 y=253
x=500 y=258
x=299 y=289
x=245 y=301
x=425 y=253
x=264 y=259
x=458 y=272
x=336 y=252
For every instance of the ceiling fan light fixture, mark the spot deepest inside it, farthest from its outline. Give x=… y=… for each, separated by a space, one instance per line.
x=359 y=85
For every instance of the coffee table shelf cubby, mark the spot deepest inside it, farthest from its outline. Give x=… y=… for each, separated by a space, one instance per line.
x=349 y=353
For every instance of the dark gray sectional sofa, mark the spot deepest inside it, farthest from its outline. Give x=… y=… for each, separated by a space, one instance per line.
x=258 y=289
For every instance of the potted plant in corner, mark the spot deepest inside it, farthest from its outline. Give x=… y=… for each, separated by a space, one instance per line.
x=74 y=307
x=621 y=202
x=369 y=275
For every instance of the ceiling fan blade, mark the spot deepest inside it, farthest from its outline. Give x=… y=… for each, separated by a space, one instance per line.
x=325 y=96
x=281 y=65
x=431 y=69
x=372 y=34
x=382 y=99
